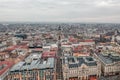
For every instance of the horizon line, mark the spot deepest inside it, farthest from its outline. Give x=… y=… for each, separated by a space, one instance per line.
x=58 y=22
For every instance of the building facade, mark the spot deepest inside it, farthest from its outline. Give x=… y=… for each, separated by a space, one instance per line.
x=80 y=68
x=110 y=63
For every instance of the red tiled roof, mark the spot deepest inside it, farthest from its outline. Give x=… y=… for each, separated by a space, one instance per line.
x=48 y=54
x=71 y=39
x=9 y=64
x=22 y=46
x=12 y=48
x=78 y=48
x=89 y=40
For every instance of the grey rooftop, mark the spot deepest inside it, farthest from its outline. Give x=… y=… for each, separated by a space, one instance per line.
x=74 y=62
x=109 y=58
x=34 y=64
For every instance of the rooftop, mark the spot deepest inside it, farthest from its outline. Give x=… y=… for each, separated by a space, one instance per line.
x=5 y=65
x=49 y=54
x=34 y=64
x=73 y=62
x=109 y=57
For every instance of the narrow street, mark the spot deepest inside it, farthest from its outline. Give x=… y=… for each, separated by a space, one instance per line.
x=59 y=74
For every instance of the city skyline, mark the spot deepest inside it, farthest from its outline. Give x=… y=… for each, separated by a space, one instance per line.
x=103 y=11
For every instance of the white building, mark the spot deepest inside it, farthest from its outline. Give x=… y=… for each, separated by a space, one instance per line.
x=87 y=42
x=110 y=63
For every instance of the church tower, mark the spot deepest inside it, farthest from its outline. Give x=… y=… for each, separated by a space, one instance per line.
x=59 y=33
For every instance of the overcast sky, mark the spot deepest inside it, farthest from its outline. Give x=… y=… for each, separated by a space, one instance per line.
x=60 y=10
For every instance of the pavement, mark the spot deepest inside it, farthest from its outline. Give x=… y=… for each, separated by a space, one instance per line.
x=117 y=77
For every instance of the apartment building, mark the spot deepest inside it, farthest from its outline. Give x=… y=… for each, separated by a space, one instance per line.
x=33 y=68
x=110 y=62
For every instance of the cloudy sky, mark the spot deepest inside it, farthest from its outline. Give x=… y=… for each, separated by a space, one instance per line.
x=60 y=10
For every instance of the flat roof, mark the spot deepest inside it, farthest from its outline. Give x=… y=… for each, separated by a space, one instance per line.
x=34 y=64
